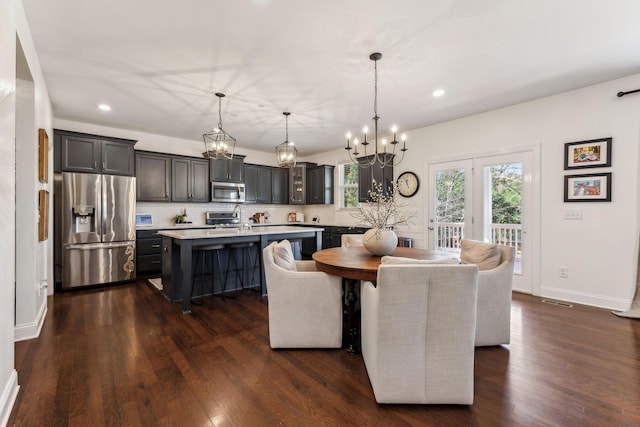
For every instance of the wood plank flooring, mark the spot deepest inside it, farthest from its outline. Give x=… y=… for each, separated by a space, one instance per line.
x=125 y=356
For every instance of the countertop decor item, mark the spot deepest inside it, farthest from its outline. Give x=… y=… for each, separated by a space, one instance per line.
x=382 y=214
x=380 y=155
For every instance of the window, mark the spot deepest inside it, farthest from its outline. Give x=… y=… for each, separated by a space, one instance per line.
x=348 y=185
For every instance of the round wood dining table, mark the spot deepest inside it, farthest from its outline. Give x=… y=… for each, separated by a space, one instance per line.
x=359 y=264
x=356 y=263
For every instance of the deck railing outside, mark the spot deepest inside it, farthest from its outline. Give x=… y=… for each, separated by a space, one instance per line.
x=450 y=234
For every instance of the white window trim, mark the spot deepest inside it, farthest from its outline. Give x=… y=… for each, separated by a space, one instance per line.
x=341 y=187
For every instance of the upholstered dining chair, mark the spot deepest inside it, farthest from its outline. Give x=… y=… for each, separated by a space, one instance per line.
x=495 y=280
x=305 y=309
x=418 y=333
x=351 y=240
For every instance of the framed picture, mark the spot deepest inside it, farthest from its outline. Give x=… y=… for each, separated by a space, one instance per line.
x=43 y=210
x=43 y=155
x=587 y=154
x=588 y=188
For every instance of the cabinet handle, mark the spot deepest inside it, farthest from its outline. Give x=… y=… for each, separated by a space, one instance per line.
x=155 y=262
x=155 y=246
x=95 y=165
x=104 y=165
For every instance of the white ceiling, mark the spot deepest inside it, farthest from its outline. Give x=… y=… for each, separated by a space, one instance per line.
x=159 y=62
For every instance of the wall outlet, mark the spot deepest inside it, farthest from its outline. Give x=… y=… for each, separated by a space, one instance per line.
x=563 y=272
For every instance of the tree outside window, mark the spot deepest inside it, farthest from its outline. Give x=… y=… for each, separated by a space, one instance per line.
x=348 y=186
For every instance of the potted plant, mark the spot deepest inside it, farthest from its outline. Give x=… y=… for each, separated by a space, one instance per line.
x=382 y=214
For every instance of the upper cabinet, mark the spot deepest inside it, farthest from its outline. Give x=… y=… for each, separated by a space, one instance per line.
x=81 y=152
x=370 y=174
x=189 y=180
x=320 y=185
x=298 y=184
x=266 y=184
x=153 y=177
x=280 y=186
x=227 y=170
x=170 y=178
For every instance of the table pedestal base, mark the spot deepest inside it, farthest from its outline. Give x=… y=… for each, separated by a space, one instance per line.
x=354 y=331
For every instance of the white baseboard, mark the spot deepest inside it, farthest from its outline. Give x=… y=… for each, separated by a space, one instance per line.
x=617 y=304
x=31 y=330
x=8 y=397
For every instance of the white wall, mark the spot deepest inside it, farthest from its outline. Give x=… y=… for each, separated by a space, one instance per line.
x=8 y=375
x=33 y=303
x=601 y=250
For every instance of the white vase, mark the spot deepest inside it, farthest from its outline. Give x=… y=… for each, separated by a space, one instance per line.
x=380 y=242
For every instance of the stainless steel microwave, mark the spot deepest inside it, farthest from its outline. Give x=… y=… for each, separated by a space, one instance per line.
x=227 y=192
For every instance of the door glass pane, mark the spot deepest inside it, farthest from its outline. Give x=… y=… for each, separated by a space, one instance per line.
x=449 y=209
x=506 y=208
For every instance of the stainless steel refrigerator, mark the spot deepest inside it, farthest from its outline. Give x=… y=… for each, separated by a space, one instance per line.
x=97 y=229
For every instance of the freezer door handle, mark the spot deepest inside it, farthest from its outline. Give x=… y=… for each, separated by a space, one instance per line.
x=90 y=246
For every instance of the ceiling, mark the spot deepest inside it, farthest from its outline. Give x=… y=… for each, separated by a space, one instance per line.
x=158 y=63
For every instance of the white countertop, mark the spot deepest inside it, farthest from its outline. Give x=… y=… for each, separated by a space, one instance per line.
x=204 y=233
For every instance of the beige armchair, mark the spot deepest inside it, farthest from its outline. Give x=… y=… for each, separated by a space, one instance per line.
x=418 y=333
x=305 y=309
x=493 y=323
x=351 y=240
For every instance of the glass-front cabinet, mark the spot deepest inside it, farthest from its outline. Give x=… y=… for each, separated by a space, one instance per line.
x=298 y=184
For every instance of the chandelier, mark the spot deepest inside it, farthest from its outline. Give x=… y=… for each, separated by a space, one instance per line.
x=286 y=152
x=382 y=155
x=218 y=144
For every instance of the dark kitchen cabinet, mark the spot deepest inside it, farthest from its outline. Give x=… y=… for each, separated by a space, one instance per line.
x=86 y=153
x=189 y=180
x=227 y=170
x=148 y=253
x=264 y=185
x=153 y=177
x=280 y=186
x=298 y=184
x=368 y=175
x=250 y=183
x=320 y=185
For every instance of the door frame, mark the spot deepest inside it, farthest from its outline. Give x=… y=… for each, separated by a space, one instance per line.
x=532 y=180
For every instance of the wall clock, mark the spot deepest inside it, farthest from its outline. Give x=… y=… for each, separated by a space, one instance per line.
x=408 y=184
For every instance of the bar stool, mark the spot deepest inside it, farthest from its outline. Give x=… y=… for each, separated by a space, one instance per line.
x=214 y=251
x=242 y=259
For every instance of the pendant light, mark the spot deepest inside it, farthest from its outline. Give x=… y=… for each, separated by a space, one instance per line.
x=218 y=144
x=286 y=152
x=382 y=155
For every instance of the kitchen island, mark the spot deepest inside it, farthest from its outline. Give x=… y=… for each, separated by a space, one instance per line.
x=177 y=254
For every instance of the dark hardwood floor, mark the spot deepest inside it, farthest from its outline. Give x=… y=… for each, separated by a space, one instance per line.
x=125 y=356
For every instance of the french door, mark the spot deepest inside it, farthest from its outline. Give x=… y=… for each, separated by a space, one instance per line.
x=485 y=198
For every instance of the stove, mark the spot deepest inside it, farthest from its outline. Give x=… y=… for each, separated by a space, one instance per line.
x=222 y=219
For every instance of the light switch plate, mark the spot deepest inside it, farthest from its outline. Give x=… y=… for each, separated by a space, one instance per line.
x=573 y=214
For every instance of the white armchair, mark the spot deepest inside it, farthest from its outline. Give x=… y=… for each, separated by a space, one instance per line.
x=351 y=240
x=493 y=323
x=418 y=330
x=305 y=309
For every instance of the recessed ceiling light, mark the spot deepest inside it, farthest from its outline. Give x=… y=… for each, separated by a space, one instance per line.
x=104 y=107
x=438 y=93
